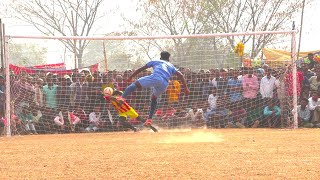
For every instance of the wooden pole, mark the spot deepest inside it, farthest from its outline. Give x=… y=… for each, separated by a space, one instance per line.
x=301 y=23
x=1 y=44
x=105 y=56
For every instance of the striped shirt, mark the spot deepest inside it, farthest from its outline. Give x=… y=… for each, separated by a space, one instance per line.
x=116 y=102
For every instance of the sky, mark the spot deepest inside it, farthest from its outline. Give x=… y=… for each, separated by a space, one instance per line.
x=310 y=33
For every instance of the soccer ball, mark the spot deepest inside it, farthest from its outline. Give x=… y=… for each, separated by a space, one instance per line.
x=108 y=91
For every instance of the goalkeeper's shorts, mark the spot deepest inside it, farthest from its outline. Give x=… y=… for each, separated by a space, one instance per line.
x=131 y=113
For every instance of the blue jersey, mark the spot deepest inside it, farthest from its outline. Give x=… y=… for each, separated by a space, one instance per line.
x=162 y=68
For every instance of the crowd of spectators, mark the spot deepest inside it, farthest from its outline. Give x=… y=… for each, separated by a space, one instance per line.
x=219 y=98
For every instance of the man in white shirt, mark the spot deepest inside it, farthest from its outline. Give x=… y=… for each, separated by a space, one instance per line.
x=314 y=107
x=267 y=85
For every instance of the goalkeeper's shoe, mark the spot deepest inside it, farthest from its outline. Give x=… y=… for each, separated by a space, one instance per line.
x=148 y=122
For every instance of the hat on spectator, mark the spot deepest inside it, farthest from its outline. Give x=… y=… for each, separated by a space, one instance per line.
x=66 y=77
x=1 y=77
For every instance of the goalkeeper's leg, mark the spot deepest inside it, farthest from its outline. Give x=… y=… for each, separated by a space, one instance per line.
x=126 y=124
x=139 y=118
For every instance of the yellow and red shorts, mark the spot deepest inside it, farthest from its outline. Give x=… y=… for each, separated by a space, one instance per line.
x=131 y=113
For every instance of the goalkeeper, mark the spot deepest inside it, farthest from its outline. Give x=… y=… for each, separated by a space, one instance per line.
x=125 y=110
x=159 y=80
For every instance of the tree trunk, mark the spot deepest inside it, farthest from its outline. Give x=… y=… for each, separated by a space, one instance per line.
x=79 y=57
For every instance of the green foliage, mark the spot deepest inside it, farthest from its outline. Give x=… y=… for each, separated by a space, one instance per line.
x=117 y=55
x=27 y=54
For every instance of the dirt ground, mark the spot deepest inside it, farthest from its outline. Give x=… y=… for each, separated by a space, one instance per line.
x=196 y=154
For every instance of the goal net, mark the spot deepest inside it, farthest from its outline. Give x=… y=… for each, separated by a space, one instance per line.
x=236 y=80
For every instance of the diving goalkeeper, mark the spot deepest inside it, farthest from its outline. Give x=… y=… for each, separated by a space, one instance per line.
x=124 y=109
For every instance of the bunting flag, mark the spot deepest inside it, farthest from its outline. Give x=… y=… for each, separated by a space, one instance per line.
x=18 y=69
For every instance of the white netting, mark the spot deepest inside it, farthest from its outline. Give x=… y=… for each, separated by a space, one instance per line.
x=227 y=90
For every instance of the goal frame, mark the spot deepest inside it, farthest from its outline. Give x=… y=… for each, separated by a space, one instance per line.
x=5 y=38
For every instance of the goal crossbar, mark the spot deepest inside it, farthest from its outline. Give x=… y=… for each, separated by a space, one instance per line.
x=151 y=37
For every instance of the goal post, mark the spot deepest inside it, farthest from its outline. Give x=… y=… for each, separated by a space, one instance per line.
x=214 y=68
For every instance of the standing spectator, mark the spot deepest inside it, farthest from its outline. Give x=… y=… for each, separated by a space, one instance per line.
x=234 y=88
x=250 y=86
x=289 y=82
x=311 y=62
x=307 y=74
x=2 y=94
x=50 y=93
x=315 y=81
x=38 y=88
x=206 y=86
x=81 y=90
x=267 y=85
x=74 y=80
x=173 y=91
x=64 y=92
x=23 y=92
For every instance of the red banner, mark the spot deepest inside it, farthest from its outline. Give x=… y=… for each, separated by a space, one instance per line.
x=18 y=69
x=49 y=66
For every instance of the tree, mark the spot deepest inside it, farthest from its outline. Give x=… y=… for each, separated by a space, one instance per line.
x=252 y=15
x=167 y=17
x=118 y=56
x=62 y=18
x=27 y=54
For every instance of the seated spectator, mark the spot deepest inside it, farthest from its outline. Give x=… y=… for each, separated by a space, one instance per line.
x=26 y=118
x=304 y=114
x=59 y=120
x=272 y=114
x=237 y=117
x=77 y=119
x=219 y=117
x=36 y=115
x=166 y=114
x=196 y=116
x=313 y=104
x=94 y=119
x=254 y=115
x=305 y=92
x=180 y=118
x=212 y=100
